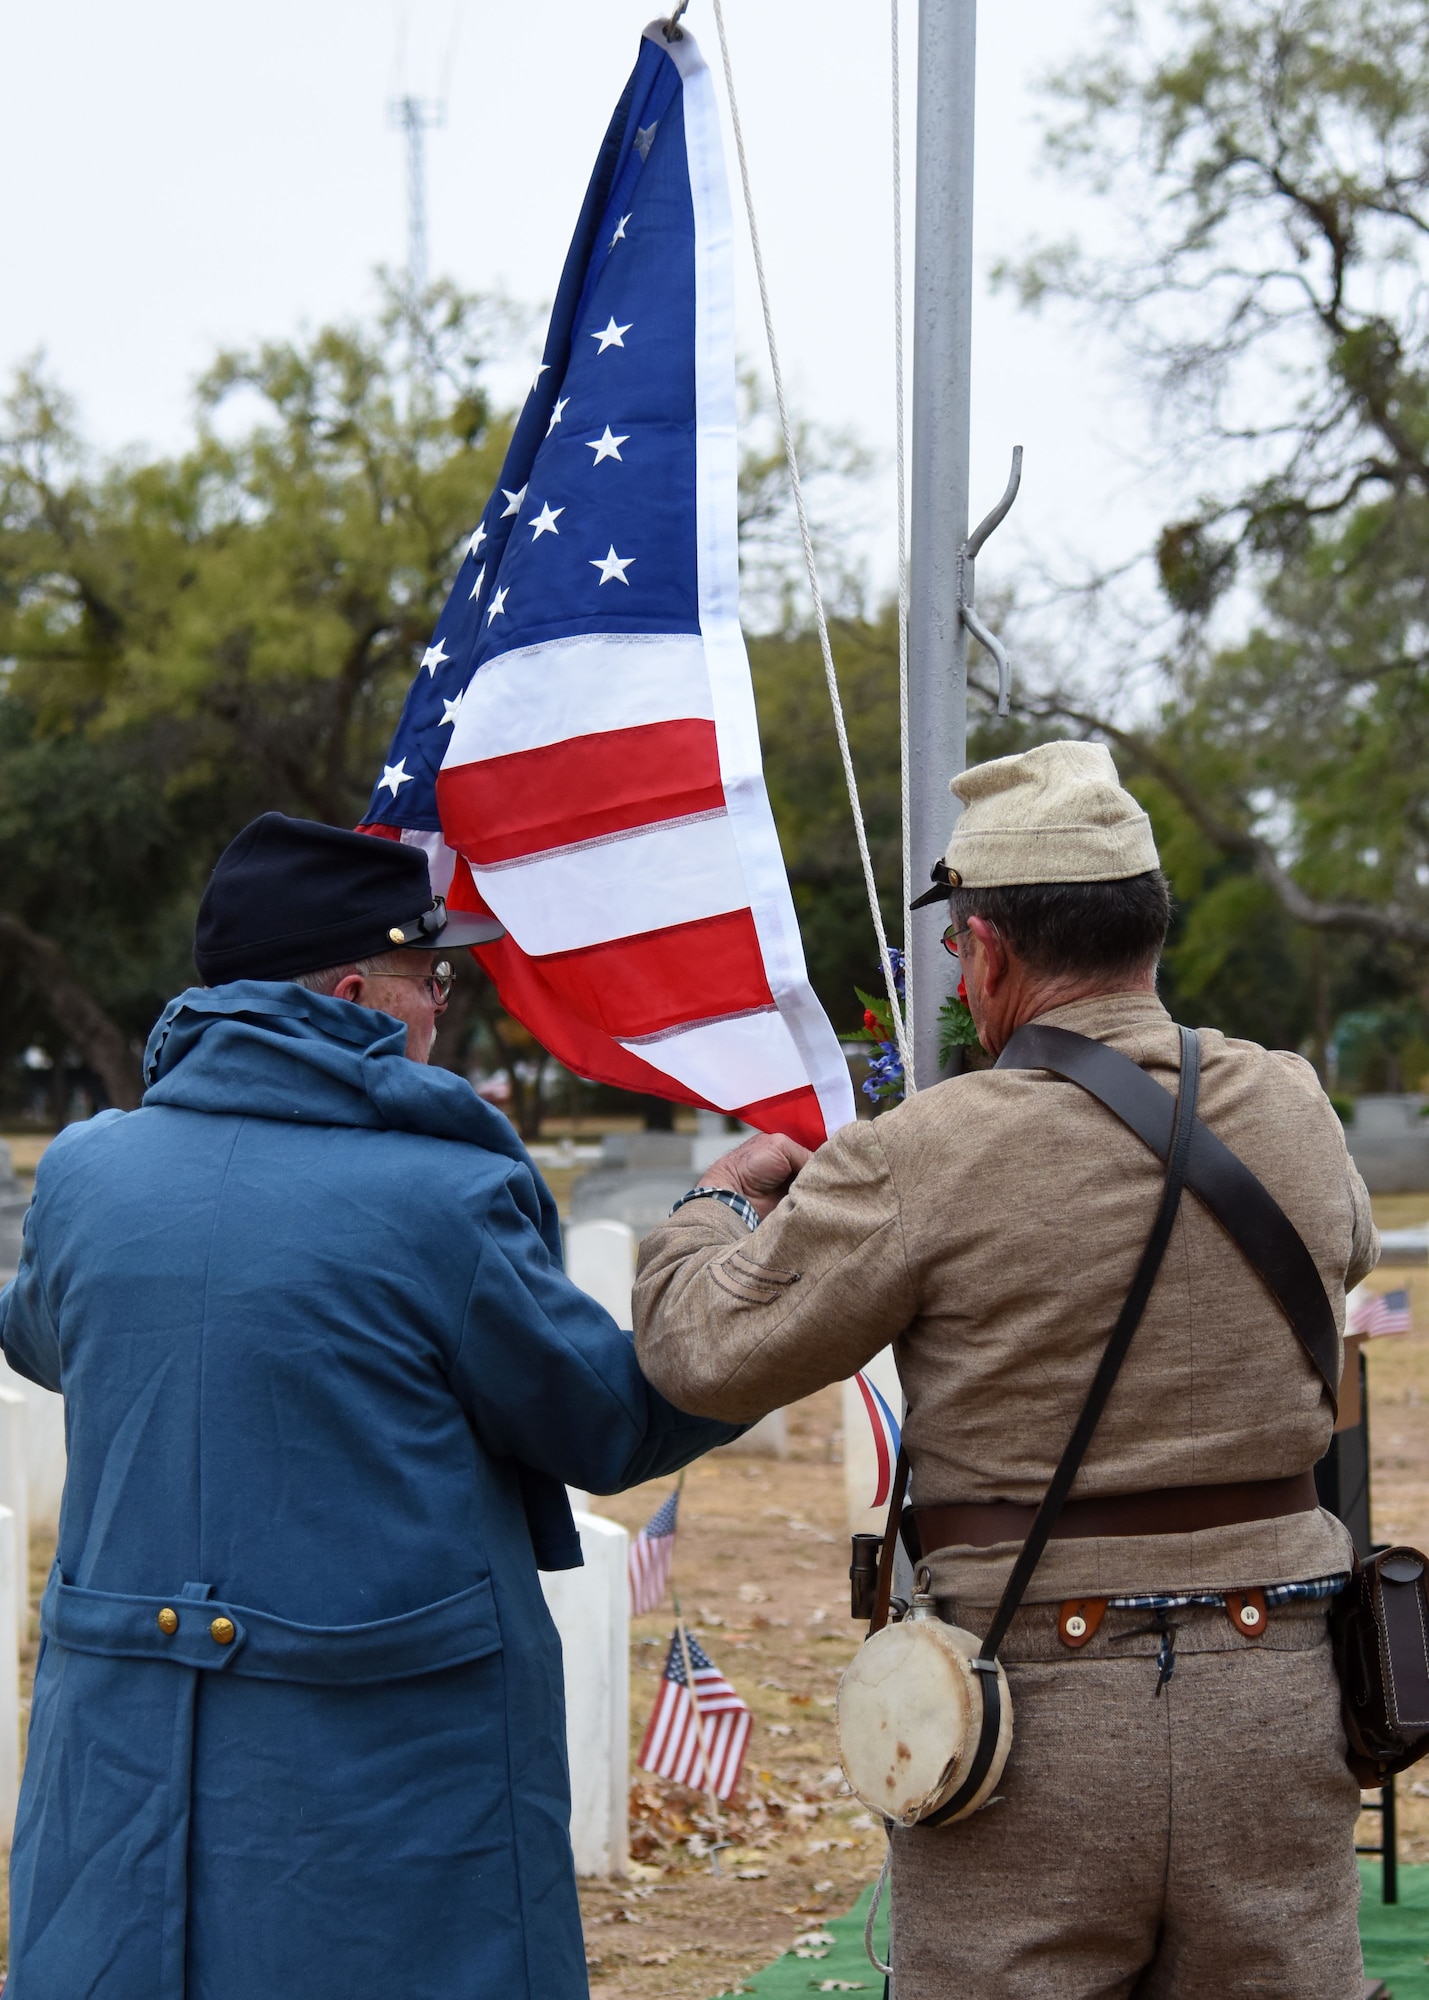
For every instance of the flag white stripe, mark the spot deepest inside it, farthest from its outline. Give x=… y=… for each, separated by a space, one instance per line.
x=736 y=1061
x=646 y=880
x=684 y=1752
x=566 y=688
x=665 y=1715
x=727 y=662
x=441 y=861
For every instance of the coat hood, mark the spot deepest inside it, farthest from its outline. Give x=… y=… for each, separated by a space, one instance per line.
x=259 y=1049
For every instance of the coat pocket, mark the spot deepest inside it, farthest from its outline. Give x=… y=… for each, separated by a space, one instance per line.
x=753 y=1284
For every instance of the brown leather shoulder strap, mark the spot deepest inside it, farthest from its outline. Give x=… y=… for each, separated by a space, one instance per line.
x=1239 y=1201
x=883 y=1589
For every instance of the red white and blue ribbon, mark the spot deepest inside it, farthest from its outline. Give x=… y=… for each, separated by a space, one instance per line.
x=886 y=1436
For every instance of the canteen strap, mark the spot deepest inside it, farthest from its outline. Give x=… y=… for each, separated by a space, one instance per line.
x=883 y=1591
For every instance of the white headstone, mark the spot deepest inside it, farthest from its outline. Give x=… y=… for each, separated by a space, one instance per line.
x=14 y=1493
x=600 y=1258
x=9 y=1680
x=769 y=1438
x=591 y=1607
x=860 y=1452
x=44 y=1447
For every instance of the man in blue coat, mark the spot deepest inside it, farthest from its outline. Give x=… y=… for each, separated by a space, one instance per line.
x=298 y=1719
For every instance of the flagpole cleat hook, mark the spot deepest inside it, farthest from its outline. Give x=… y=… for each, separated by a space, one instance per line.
x=967 y=555
x=671 y=29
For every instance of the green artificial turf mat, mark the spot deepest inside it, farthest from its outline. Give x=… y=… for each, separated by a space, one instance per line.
x=842 y=1969
x=1395 y=1936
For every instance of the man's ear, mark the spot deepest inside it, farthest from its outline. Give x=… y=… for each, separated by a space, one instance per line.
x=994 y=953
x=348 y=987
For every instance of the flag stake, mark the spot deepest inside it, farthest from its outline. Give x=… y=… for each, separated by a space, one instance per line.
x=705 y=1759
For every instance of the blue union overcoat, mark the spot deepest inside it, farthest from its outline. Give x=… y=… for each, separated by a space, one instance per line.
x=298 y=1727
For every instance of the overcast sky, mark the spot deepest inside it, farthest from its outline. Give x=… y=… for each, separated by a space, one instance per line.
x=182 y=177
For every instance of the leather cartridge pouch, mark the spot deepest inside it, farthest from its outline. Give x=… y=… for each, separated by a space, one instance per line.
x=1380 y=1627
x=924 y=1709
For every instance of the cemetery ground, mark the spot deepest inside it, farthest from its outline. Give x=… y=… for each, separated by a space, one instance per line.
x=761 y=1569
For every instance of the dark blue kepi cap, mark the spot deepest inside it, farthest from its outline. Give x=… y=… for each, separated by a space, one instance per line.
x=292 y=895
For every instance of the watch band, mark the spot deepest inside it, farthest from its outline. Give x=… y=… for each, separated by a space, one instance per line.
x=741 y=1206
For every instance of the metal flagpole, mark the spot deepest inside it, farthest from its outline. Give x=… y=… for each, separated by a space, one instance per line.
x=938 y=494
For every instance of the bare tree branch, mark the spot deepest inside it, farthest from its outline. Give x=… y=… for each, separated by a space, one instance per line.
x=1383 y=922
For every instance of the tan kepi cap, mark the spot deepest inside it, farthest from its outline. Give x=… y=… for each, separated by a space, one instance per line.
x=1058 y=813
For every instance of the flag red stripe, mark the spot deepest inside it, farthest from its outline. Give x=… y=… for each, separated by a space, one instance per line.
x=588 y=1047
x=500 y=808
x=795 y=1113
x=642 y=985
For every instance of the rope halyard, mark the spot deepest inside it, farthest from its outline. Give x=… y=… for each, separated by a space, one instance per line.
x=905 y=1055
x=900 y=427
x=870 y=1951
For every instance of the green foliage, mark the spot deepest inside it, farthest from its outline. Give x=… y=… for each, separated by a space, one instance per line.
x=806 y=790
x=1267 y=165
x=189 y=641
x=955 y=1029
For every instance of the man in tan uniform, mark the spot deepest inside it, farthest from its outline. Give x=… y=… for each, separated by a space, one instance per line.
x=1176 y=1818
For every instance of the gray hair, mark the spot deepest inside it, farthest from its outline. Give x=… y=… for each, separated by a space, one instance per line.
x=330 y=977
x=1076 y=927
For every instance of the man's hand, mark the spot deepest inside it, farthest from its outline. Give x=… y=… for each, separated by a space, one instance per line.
x=762 y=1170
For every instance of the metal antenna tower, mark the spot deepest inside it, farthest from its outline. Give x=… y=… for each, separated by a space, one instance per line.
x=416 y=116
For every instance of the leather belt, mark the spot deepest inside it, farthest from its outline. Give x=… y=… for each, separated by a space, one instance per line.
x=1171 y=1510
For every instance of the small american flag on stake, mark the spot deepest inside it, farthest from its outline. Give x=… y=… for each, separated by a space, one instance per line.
x=651 y=1554
x=672 y=1746
x=1388 y=1312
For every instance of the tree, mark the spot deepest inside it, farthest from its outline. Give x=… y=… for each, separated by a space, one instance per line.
x=1268 y=164
x=190 y=641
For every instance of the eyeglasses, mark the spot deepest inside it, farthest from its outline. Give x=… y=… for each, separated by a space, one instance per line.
x=952 y=934
x=438 y=982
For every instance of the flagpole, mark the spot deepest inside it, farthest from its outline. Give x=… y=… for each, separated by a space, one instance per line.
x=705 y=1759
x=938 y=496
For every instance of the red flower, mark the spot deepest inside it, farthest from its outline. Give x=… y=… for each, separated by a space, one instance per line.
x=871 y=1022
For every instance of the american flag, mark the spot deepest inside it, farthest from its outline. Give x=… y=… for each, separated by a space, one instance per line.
x=579 y=752
x=886 y=1436
x=651 y=1553
x=1386 y=1312
x=672 y=1742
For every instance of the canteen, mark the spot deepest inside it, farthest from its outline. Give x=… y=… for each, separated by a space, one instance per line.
x=909 y=1713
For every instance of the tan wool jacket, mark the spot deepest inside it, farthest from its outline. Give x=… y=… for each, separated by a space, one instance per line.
x=989 y=1228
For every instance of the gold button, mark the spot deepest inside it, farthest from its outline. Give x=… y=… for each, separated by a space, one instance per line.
x=223 y=1631
x=169 y=1620
x=397 y=934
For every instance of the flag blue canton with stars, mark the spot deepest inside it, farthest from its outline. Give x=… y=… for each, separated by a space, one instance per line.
x=592 y=527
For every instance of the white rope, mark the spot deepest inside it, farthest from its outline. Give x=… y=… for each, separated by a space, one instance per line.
x=902 y=480
x=820 y=620
x=868 y=1946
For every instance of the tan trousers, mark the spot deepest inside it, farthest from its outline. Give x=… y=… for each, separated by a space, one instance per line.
x=1194 y=1845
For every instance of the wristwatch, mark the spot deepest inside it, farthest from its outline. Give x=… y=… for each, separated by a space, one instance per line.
x=741 y=1206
